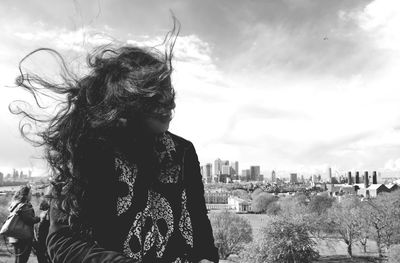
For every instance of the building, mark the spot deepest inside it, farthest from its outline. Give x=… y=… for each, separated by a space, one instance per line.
x=226 y=170
x=315 y=178
x=293 y=178
x=260 y=178
x=215 y=197
x=330 y=175
x=392 y=187
x=373 y=190
x=333 y=189
x=273 y=176
x=246 y=175
x=239 y=205
x=357 y=177
x=349 y=178
x=254 y=173
x=217 y=166
x=207 y=173
x=235 y=169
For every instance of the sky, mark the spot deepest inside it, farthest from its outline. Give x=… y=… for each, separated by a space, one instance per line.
x=290 y=85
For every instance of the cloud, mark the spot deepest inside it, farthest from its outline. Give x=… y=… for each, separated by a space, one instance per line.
x=62 y=39
x=392 y=165
x=256 y=81
x=382 y=19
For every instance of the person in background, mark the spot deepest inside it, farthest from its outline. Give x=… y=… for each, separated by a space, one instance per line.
x=42 y=231
x=21 y=201
x=124 y=188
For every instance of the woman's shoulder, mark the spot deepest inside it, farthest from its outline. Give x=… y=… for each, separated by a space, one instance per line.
x=15 y=204
x=180 y=141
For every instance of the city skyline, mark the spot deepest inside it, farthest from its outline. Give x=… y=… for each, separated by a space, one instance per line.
x=287 y=85
x=215 y=168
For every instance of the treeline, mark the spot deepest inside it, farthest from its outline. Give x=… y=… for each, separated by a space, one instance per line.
x=295 y=223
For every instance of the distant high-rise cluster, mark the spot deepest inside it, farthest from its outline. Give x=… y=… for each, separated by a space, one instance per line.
x=225 y=171
x=20 y=175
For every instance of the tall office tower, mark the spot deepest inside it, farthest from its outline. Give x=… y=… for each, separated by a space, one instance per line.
x=246 y=175
x=357 y=177
x=260 y=178
x=293 y=178
x=330 y=174
x=366 y=179
x=226 y=169
x=374 y=178
x=314 y=178
x=207 y=170
x=273 y=176
x=15 y=174
x=234 y=169
x=217 y=166
x=254 y=173
x=349 y=179
x=1 y=178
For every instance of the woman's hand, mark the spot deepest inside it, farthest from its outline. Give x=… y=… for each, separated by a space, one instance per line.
x=205 y=261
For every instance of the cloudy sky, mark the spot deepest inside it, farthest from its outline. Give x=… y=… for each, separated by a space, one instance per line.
x=291 y=85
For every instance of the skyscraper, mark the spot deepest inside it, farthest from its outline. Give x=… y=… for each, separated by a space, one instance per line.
x=254 y=173
x=246 y=175
x=235 y=169
x=273 y=176
x=207 y=173
x=217 y=166
x=293 y=178
x=330 y=174
x=226 y=169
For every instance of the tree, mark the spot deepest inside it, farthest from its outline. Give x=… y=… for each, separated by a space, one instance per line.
x=319 y=204
x=231 y=233
x=256 y=193
x=282 y=241
x=291 y=208
x=344 y=219
x=365 y=228
x=394 y=254
x=261 y=202
x=240 y=193
x=273 y=208
x=383 y=214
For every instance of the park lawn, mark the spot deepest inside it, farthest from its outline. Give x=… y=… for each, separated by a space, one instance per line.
x=330 y=249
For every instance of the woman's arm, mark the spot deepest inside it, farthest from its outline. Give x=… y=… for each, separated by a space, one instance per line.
x=28 y=215
x=64 y=246
x=203 y=239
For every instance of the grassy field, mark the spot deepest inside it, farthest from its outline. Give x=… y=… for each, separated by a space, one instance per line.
x=330 y=250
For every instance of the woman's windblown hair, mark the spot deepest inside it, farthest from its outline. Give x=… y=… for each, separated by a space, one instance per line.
x=22 y=194
x=120 y=80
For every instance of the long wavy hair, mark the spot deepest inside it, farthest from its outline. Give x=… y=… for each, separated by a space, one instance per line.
x=21 y=195
x=122 y=80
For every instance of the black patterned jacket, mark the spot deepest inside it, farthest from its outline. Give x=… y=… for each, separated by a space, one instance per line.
x=141 y=209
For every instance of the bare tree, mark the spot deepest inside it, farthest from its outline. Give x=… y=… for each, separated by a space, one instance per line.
x=261 y=202
x=283 y=240
x=344 y=219
x=231 y=233
x=383 y=215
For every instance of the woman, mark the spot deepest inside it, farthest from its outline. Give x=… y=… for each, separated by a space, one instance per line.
x=21 y=202
x=125 y=189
